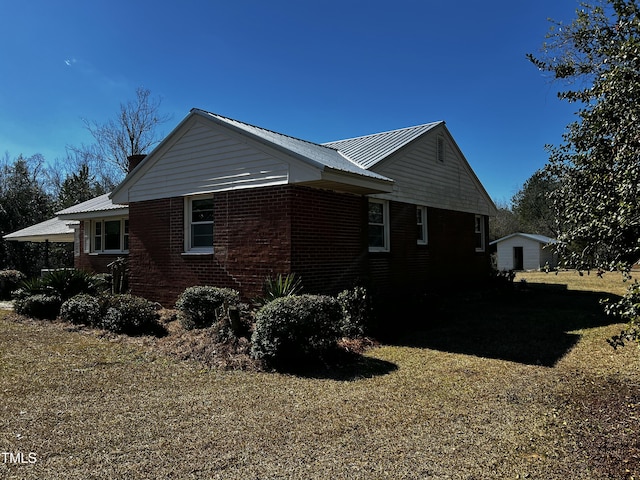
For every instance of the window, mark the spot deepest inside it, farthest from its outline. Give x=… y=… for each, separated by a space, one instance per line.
x=378 y=225
x=199 y=226
x=110 y=235
x=440 y=148
x=421 y=224
x=479 y=233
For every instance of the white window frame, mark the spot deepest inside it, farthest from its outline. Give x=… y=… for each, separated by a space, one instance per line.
x=91 y=242
x=384 y=224
x=421 y=225
x=188 y=223
x=479 y=230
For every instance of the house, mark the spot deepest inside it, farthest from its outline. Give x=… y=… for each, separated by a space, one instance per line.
x=525 y=251
x=221 y=202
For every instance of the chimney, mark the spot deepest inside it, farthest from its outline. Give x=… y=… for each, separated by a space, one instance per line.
x=134 y=160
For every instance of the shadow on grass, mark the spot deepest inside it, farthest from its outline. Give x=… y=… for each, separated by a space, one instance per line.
x=347 y=368
x=532 y=325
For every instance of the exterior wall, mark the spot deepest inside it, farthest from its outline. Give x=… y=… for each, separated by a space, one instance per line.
x=448 y=257
x=329 y=239
x=424 y=180
x=95 y=263
x=251 y=241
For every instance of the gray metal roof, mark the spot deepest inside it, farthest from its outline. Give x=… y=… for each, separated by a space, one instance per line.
x=531 y=236
x=370 y=149
x=320 y=155
x=98 y=204
x=53 y=230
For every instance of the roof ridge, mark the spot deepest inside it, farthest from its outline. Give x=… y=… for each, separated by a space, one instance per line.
x=385 y=132
x=263 y=129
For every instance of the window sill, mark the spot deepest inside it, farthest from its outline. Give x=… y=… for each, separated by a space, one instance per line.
x=114 y=252
x=196 y=254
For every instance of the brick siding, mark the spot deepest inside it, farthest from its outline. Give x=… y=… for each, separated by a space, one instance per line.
x=319 y=235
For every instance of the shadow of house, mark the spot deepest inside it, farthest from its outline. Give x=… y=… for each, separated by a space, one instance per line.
x=534 y=326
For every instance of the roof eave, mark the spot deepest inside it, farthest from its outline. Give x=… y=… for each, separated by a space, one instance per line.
x=116 y=212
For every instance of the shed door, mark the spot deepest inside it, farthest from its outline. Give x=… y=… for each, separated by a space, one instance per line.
x=518 y=258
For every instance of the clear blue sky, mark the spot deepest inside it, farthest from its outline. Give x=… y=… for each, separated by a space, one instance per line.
x=318 y=70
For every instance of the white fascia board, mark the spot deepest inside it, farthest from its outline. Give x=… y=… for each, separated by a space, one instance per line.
x=120 y=212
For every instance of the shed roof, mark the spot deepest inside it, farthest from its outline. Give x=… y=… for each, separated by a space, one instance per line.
x=531 y=236
x=371 y=149
x=52 y=230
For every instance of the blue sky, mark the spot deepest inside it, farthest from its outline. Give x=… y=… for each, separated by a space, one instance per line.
x=318 y=70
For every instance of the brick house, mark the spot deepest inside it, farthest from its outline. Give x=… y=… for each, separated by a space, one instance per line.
x=220 y=202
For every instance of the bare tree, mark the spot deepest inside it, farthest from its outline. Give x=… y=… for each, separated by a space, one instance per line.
x=132 y=132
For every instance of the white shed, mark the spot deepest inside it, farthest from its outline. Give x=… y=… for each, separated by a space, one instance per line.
x=525 y=251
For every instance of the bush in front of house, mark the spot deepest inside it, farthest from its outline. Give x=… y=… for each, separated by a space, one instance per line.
x=81 y=309
x=9 y=281
x=130 y=315
x=202 y=306
x=42 y=306
x=296 y=328
x=357 y=312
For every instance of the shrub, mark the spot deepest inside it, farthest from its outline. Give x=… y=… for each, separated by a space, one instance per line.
x=9 y=280
x=63 y=283
x=40 y=306
x=81 y=309
x=626 y=309
x=357 y=312
x=68 y=283
x=296 y=328
x=130 y=315
x=280 y=286
x=202 y=306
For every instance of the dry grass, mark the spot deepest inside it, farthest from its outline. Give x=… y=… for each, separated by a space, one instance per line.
x=518 y=385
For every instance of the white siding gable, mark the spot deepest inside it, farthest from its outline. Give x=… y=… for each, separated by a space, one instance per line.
x=203 y=157
x=422 y=179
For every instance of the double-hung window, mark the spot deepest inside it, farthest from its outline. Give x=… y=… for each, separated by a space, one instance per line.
x=199 y=224
x=109 y=235
x=378 y=225
x=421 y=225
x=479 y=233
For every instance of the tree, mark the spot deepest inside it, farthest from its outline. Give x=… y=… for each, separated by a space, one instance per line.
x=533 y=207
x=597 y=167
x=23 y=202
x=78 y=187
x=504 y=223
x=131 y=132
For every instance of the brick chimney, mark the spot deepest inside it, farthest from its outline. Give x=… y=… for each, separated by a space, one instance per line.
x=134 y=160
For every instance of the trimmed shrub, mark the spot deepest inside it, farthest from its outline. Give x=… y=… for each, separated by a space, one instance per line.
x=9 y=280
x=202 y=306
x=357 y=312
x=81 y=309
x=130 y=315
x=296 y=328
x=42 y=306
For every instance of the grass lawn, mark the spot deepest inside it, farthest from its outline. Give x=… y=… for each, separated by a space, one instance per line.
x=518 y=384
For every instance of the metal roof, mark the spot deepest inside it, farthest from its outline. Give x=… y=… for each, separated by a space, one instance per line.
x=320 y=155
x=98 y=204
x=370 y=149
x=531 y=236
x=53 y=230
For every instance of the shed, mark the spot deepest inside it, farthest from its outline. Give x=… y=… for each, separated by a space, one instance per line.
x=525 y=251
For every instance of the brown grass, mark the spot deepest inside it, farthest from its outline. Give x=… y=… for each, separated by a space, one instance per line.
x=502 y=385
